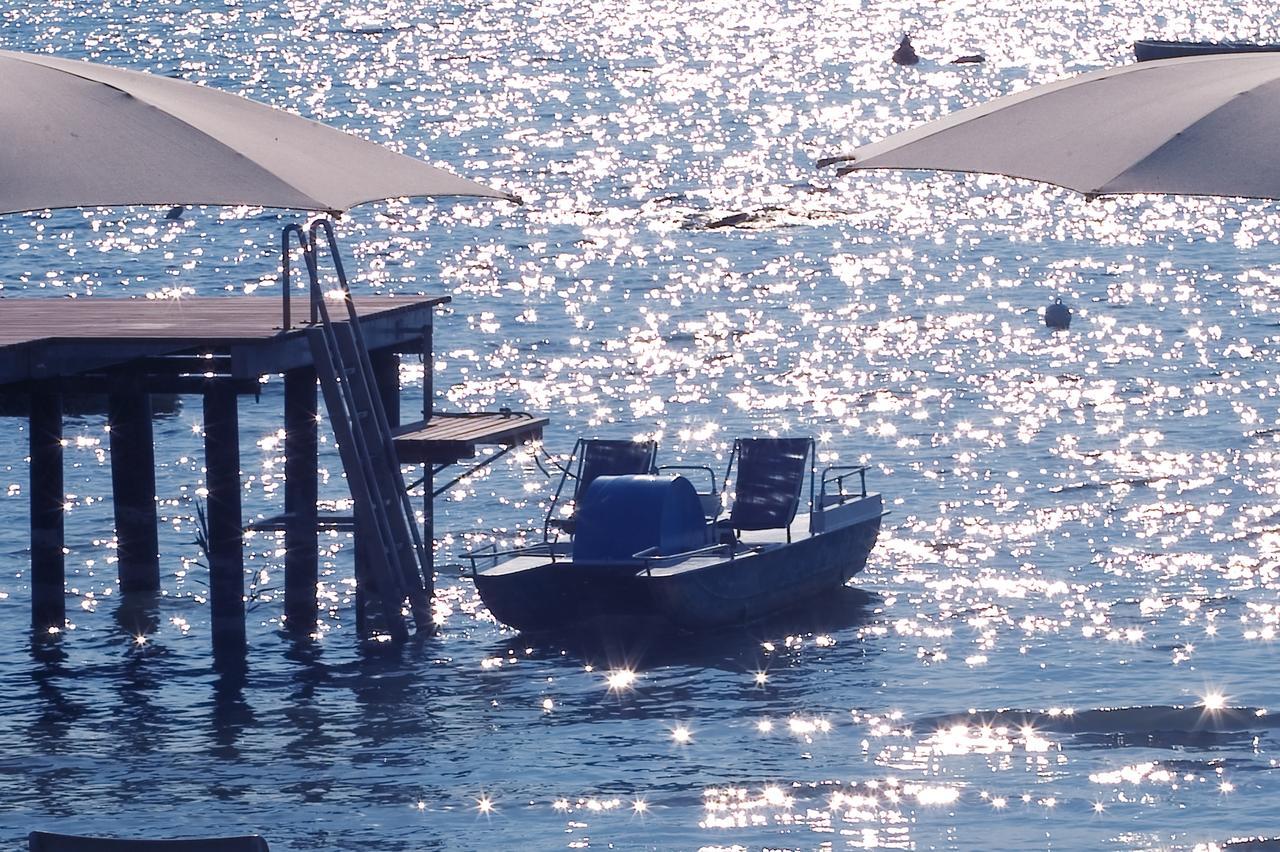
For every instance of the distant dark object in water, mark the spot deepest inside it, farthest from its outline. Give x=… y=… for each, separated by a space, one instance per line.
x=731 y=221
x=1057 y=316
x=1148 y=49
x=43 y=841
x=1151 y=720
x=905 y=54
x=174 y=213
x=969 y=59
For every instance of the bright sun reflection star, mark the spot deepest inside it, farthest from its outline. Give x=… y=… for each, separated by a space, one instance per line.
x=681 y=734
x=761 y=678
x=640 y=806
x=1214 y=700
x=620 y=680
x=484 y=804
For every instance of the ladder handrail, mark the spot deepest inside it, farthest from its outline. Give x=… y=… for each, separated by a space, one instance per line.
x=363 y=478
x=292 y=228
x=380 y=415
x=358 y=396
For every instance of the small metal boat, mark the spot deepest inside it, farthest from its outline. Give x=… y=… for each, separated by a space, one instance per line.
x=651 y=546
x=1147 y=50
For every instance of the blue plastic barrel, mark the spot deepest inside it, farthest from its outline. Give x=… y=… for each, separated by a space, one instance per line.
x=623 y=515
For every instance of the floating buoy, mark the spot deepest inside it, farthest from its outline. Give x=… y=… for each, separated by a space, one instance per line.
x=1057 y=316
x=905 y=54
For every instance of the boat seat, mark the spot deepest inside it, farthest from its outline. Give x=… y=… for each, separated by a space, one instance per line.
x=598 y=457
x=711 y=499
x=44 y=841
x=771 y=474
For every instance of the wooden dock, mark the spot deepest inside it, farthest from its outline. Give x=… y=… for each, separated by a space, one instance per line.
x=44 y=339
x=218 y=348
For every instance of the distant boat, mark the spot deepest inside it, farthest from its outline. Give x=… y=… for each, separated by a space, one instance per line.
x=1148 y=49
x=650 y=546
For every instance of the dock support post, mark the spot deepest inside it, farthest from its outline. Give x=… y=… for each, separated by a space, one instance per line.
x=226 y=549
x=428 y=477
x=133 y=488
x=48 y=564
x=386 y=379
x=386 y=375
x=301 y=492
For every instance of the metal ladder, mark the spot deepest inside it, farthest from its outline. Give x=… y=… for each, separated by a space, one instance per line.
x=396 y=557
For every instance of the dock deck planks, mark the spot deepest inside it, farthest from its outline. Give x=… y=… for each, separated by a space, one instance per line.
x=44 y=338
x=447 y=438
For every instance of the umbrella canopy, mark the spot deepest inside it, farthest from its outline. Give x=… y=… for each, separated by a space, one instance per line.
x=1198 y=126
x=78 y=134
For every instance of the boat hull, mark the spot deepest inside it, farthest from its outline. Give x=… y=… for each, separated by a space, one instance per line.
x=535 y=594
x=751 y=586
x=561 y=595
x=1148 y=50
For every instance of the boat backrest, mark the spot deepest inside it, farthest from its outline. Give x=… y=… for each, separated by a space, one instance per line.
x=44 y=841
x=593 y=458
x=771 y=474
x=608 y=457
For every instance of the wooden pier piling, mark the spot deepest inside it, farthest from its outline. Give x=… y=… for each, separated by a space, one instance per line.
x=133 y=486
x=225 y=533
x=48 y=499
x=301 y=493
x=386 y=375
x=428 y=470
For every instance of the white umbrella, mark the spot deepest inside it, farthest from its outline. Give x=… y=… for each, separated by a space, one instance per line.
x=79 y=134
x=1199 y=126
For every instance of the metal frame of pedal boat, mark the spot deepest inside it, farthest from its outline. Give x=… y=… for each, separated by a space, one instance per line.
x=550 y=546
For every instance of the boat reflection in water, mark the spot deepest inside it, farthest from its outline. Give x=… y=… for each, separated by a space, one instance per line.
x=649 y=545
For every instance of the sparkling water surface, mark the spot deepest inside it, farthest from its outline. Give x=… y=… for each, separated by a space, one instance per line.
x=1065 y=637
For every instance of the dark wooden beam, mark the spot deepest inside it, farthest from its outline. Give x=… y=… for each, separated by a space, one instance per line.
x=428 y=473
x=48 y=499
x=386 y=375
x=133 y=487
x=301 y=492
x=93 y=384
x=226 y=552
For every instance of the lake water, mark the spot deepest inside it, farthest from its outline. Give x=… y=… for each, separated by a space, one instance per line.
x=1066 y=635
